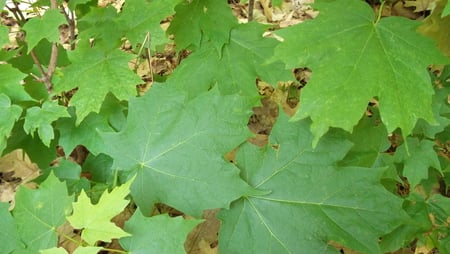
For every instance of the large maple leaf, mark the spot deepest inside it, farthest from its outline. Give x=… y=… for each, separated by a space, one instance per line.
x=177 y=148
x=355 y=57
x=313 y=204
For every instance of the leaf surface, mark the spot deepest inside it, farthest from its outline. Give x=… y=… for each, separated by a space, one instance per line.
x=202 y=20
x=8 y=234
x=44 y=27
x=95 y=220
x=101 y=24
x=10 y=83
x=96 y=73
x=242 y=61
x=4 y=37
x=312 y=203
x=370 y=138
x=177 y=148
x=110 y=118
x=420 y=158
x=157 y=234
x=353 y=58
x=9 y=114
x=41 y=119
x=137 y=26
x=45 y=209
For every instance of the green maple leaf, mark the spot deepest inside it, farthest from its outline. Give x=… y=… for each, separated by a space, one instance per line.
x=418 y=157
x=137 y=26
x=96 y=73
x=101 y=24
x=428 y=218
x=95 y=220
x=202 y=20
x=10 y=83
x=9 y=114
x=39 y=212
x=177 y=148
x=354 y=58
x=241 y=62
x=109 y=118
x=157 y=234
x=312 y=203
x=40 y=119
x=44 y=27
x=8 y=234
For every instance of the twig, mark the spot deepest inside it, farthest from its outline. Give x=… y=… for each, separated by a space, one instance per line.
x=47 y=76
x=41 y=69
x=54 y=55
x=71 y=23
x=251 y=4
x=17 y=8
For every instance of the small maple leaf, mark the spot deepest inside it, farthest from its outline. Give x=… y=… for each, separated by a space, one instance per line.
x=95 y=220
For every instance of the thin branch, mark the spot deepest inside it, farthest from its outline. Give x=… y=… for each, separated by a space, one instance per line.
x=251 y=4
x=44 y=78
x=71 y=23
x=53 y=57
x=53 y=60
x=17 y=8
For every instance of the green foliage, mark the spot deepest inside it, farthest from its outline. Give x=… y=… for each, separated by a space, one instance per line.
x=38 y=213
x=349 y=72
x=4 y=35
x=41 y=118
x=197 y=21
x=421 y=157
x=247 y=50
x=363 y=163
x=183 y=142
x=138 y=26
x=9 y=83
x=8 y=234
x=158 y=234
x=44 y=27
x=285 y=221
x=97 y=73
x=95 y=220
x=9 y=115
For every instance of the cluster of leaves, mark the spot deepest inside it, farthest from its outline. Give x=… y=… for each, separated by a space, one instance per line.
x=326 y=178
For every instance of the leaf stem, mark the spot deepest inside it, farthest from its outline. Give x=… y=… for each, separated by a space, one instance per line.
x=380 y=11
